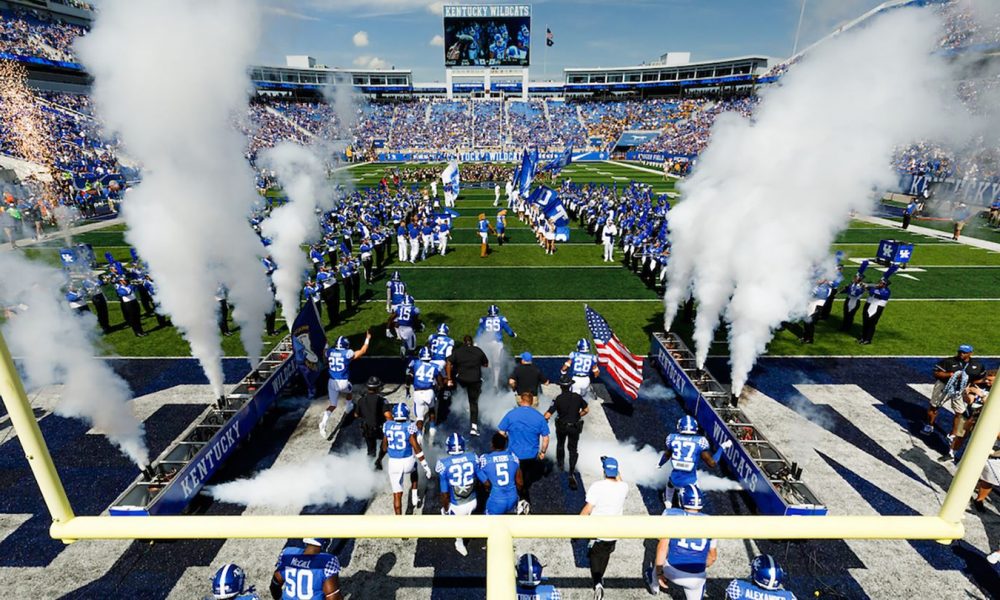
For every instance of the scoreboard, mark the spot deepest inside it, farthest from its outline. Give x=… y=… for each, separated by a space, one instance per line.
x=487 y=35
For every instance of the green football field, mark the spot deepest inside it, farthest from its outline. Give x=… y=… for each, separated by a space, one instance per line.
x=944 y=298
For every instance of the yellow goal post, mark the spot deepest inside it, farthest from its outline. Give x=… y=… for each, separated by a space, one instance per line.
x=499 y=531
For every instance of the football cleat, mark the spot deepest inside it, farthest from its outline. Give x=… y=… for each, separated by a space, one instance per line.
x=523 y=507
x=651 y=580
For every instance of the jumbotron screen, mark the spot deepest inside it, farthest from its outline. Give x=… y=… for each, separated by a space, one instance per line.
x=487 y=35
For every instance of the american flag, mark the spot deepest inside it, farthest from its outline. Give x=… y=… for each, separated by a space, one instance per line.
x=623 y=366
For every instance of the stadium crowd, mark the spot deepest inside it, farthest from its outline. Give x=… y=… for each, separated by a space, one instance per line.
x=33 y=33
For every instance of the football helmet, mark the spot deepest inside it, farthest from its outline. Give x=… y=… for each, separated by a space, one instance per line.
x=583 y=345
x=395 y=276
x=455 y=444
x=766 y=573
x=425 y=354
x=400 y=412
x=529 y=571
x=493 y=310
x=687 y=424
x=407 y=299
x=343 y=343
x=323 y=543
x=443 y=329
x=691 y=497
x=228 y=582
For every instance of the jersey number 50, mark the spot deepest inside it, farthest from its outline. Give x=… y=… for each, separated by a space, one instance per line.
x=298 y=584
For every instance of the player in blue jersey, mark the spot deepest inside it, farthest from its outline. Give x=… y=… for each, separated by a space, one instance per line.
x=441 y=346
x=338 y=360
x=425 y=377
x=395 y=291
x=308 y=573
x=501 y=472
x=767 y=580
x=405 y=318
x=229 y=583
x=529 y=579
x=399 y=441
x=686 y=449
x=582 y=366
x=683 y=562
x=494 y=324
x=457 y=478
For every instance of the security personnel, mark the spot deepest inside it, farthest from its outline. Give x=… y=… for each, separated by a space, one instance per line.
x=372 y=412
x=329 y=293
x=93 y=288
x=570 y=408
x=272 y=315
x=130 y=306
x=854 y=291
x=878 y=297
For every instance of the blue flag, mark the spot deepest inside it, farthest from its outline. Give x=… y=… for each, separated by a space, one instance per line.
x=526 y=174
x=309 y=346
x=552 y=207
x=451 y=178
x=560 y=162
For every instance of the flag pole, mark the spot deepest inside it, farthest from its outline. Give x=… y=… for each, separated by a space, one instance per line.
x=545 y=54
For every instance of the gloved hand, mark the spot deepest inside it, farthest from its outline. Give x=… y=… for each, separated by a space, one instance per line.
x=427 y=471
x=726 y=445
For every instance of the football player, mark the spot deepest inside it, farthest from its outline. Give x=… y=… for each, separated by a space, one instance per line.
x=529 y=579
x=457 y=477
x=441 y=346
x=399 y=441
x=582 y=365
x=425 y=377
x=501 y=472
x=767 y=582
x=683 y=562
x=308 y=573
x=229 y=583
x=403 y=320
x=395 y=291
x=338 y=360
x=686 y=449
x=495 y=324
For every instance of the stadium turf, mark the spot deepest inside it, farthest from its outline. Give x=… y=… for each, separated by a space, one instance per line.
x=943 y=297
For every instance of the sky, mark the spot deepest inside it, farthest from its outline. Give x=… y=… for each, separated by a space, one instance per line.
x=405 y=34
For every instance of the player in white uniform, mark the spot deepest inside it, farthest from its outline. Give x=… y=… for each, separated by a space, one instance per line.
x=582 y=365
x=399 y=441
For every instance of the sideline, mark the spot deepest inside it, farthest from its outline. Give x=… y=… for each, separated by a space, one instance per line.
x=944 y=235
x=54 y=235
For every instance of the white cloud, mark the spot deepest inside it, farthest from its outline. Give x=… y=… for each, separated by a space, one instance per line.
x=366 y=61
x=436 y=8
x=437 y=41
x=360 y=39
x=290 y=14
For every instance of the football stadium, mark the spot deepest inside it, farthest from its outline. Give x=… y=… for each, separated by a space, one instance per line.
x=476 y=318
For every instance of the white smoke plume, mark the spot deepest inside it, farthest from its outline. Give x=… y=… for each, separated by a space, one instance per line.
x=303 y=178
x=169 y=76
x=328 y=480
x=769 y=196
x=56 y=346
x=638 y=465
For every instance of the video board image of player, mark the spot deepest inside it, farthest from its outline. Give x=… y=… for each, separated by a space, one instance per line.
x=477 y=42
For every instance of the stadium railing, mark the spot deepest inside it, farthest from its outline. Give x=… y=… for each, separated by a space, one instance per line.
x=499 y=531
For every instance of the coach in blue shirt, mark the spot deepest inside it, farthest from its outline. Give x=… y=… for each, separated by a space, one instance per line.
x=528 y=432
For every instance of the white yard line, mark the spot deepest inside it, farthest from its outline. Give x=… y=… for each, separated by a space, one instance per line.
x=934 y=233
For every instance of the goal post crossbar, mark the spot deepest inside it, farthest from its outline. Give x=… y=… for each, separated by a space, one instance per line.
x=499 y=531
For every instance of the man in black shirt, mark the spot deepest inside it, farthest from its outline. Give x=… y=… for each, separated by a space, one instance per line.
x=465 y=368
x=570 y=408
x=953 y=374
x=372 y=412
x=527 y=378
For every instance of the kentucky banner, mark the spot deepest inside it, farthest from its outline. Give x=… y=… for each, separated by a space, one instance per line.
x=309 y=346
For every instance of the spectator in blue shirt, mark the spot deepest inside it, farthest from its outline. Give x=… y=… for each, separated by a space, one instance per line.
x=528 y=433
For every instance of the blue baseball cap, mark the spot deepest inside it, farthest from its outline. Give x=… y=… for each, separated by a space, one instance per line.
x=610 y=466
x=526 y=357
x=965 y=348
